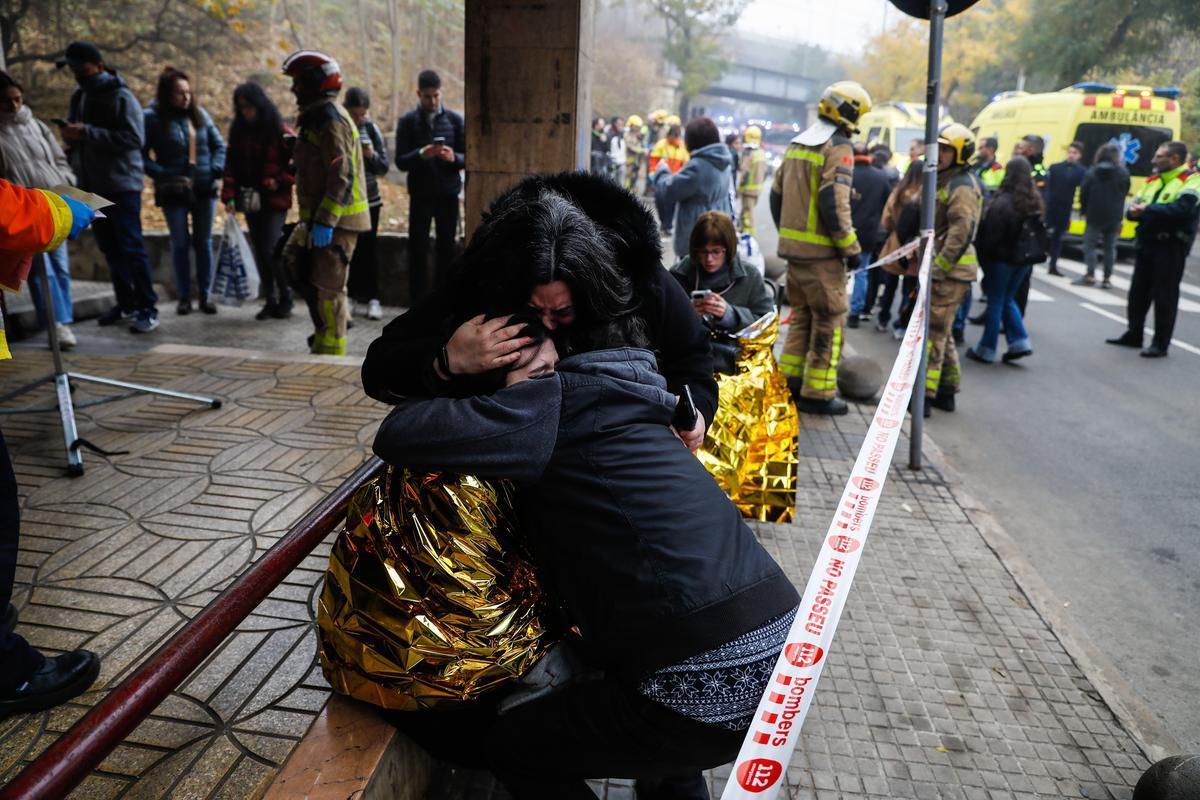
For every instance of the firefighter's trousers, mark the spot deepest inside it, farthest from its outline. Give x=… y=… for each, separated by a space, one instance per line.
x=746 y=220
x=941 y=369
x=817 y=293
x=319 y=275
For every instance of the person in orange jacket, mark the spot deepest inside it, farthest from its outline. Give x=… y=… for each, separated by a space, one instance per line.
x=670 y=149
x=31 y=221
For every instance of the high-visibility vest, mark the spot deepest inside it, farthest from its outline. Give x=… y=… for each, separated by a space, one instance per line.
x=755 y=171
x=676 y=155
x=31 y=221
x=1169 y=187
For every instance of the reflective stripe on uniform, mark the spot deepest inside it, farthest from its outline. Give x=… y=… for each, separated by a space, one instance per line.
x=792 y=366
x=824 y=380
x=951 y=376
x=818 y=161
x=967 y=258
x=846 y=241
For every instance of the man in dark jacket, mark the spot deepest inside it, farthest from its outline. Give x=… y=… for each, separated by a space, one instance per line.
x=405 y=360
x=105 y=134
x=663 y=586
x=1062 y=179
x=1102 y=205
x=871 y=190
x=431 y=147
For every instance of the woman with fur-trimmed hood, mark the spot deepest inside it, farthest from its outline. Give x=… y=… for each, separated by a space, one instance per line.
x=447 y=345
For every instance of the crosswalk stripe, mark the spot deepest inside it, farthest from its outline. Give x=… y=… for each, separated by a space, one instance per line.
x=1149 y=331
x=1075 y=268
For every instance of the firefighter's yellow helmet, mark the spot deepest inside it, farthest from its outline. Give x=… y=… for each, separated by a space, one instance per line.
x=673 y=119
x=634 y=121
x=843 y=104
x=659 y=116
x=958 y=137
x=752 y=135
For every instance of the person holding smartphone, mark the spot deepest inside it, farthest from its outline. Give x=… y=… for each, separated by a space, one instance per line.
x=726 y=293
x=431 y=147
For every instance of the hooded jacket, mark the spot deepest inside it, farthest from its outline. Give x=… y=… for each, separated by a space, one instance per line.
x=29 y=154
x=704 y=184
x=167 y=133
x=109 y=158
x=400 y=362
x=1102 y=195
x=649 y=559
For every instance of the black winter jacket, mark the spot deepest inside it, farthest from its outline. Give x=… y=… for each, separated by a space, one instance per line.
x=871 y=187
x=1102 y=195
x=1062 y=179
x=431 y=177
x=627 y=530
x=377 y=164
x=998 y=232
x=400 y=362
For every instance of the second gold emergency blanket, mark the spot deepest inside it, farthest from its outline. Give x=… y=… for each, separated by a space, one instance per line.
x=427 y=600
x=750 y=448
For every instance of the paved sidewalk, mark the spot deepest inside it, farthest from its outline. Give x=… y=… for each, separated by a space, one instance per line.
x=943 y=682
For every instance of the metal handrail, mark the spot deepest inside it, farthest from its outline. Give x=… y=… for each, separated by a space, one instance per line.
x=63 y=765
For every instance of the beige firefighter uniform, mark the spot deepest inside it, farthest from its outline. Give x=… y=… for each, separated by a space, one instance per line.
x=959 y=205
x=331 y=190
x=752 y=173
x=815 y=235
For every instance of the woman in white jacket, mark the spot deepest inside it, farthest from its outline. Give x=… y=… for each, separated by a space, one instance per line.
x=30 y=156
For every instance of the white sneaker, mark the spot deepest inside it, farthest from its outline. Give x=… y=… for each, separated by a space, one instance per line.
x=897 y=333
x=351 y=307
x=66 y=337
x=374 y=310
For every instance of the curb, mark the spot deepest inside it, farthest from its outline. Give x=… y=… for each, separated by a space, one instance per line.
x=1147 y=730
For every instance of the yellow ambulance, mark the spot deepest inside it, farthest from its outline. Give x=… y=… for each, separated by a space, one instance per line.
x=1135 y=118
x=896 y=125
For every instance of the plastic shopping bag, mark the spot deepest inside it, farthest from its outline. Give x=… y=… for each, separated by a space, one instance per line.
x=751 y=254
x=235 y=278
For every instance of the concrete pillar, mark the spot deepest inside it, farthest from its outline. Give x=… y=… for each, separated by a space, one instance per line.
x=529 y=92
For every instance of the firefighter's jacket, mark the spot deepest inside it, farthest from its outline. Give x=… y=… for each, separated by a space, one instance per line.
x=956 y=218
x=753 y=171
x=331 y=184
x=814 y=184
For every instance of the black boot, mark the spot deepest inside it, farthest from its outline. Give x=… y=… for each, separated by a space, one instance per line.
x=1126 y=339
x=207 y=305
x=833 y=406
x=58 y=680
x=944 y=400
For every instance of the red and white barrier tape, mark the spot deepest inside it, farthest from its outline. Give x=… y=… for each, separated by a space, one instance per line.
x=895 y=255
x=767 y=749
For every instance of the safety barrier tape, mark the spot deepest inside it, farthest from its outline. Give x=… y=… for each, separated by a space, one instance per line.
x=895 y=255
x=768 y=746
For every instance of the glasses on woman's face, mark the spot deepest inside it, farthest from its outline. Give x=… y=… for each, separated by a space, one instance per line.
x=713 y=254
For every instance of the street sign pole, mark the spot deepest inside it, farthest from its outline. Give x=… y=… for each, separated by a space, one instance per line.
x=937 y=22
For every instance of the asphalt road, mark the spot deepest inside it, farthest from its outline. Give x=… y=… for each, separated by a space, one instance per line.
x=1088 y=455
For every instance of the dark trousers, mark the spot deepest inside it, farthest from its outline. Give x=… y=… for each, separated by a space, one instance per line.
x=363 y=284
x=17 y=659
x=443 y=212
x=119 y=236
x=1157 y=273
x=1022 y=295
x=890 y=284
x=1056 y=242
x=666 y=212
x=594 y=729
x=266 y=228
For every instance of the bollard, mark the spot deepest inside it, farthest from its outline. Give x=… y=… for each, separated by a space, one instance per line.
x=859 y=378
x=1173 y=778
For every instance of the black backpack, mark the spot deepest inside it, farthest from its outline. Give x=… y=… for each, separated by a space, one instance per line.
x=1033 y=244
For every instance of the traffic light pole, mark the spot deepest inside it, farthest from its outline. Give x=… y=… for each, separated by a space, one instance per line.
x=937 y=23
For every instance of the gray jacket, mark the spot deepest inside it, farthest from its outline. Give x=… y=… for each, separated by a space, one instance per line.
x=29 y=154
x=109 y=159
x=746 y=296
x=704 y=184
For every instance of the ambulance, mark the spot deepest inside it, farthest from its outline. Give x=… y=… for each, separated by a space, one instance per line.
x=1135 y=118
x=896 y=125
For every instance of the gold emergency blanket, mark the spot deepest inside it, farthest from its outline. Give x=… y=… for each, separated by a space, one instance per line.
x=427 y=599
x=750 y=448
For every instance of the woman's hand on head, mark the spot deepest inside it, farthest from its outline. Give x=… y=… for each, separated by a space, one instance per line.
x=481 y=345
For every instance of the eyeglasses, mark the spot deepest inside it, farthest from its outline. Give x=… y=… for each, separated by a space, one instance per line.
x=713 y=252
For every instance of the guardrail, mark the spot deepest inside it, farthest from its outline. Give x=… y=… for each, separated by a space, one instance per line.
x=63 y=765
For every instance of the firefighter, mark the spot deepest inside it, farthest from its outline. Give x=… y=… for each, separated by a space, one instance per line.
x=959 y=206
x=331 y=191
x=817 y=240
x=635 y=150
x=1165 y=210
x=752 y=171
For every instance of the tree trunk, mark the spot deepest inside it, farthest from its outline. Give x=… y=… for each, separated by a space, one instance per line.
x=394 y=27
x=361 y=13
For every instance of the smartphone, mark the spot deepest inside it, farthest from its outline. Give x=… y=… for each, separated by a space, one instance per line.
x=440 y=141
x=700 y=294
x=685 y=411
x=59 y=121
